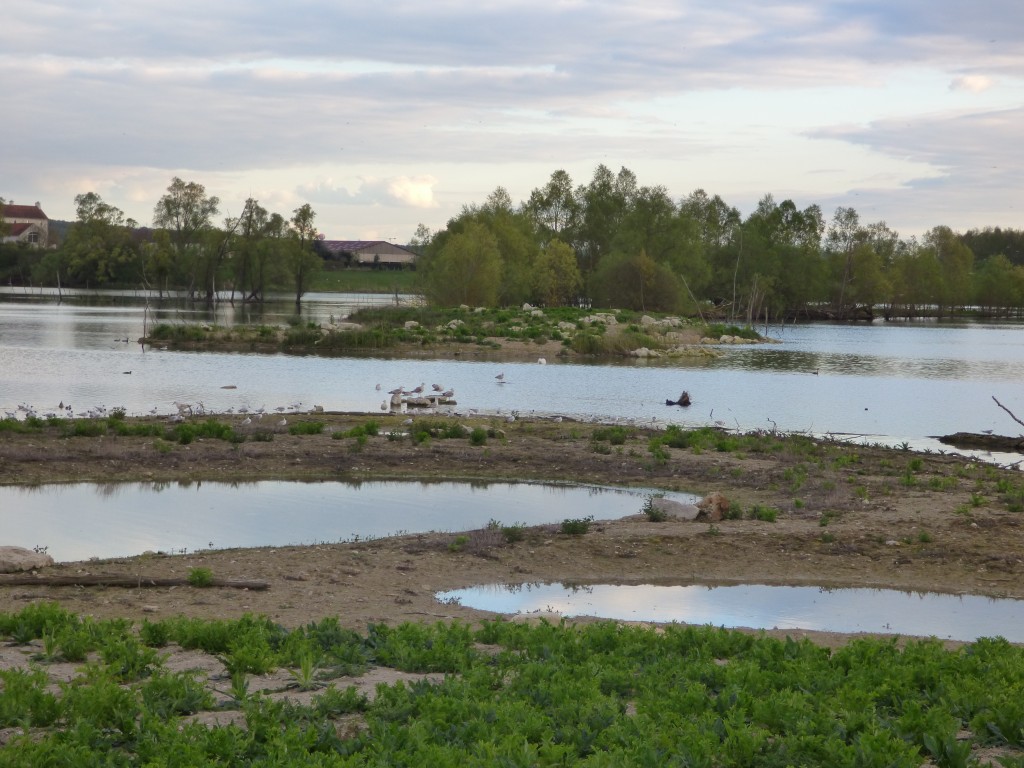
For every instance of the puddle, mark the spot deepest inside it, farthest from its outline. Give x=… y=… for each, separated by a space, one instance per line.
x=79 y=521
x=949 y=617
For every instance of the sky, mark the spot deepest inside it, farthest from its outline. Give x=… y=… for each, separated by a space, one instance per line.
x=385 y=116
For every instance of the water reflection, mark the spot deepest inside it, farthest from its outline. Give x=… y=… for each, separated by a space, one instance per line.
x=884 y=382
x=951 y=617
x=78 y=521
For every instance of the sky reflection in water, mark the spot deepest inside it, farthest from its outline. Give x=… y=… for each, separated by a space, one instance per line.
x=952 y=617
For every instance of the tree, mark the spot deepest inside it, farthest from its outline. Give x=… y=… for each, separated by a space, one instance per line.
x=636 y=282
x=956 y=261
x=4 y=226
x=554 y=208
x=186 y=211
x=99 y=249
x=556 y=276
x=466 y=269
x=303 y=260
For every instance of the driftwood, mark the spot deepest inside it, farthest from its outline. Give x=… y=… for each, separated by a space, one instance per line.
x=1012 y=415
x=972 y=440
x=99 y=580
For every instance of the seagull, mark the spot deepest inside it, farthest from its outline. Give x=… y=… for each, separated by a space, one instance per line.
x=436 y=387
x=378 y=387
x=283 y=422
x=501 y=377
x=542 y=361
x=384 y=405
x=247 y=420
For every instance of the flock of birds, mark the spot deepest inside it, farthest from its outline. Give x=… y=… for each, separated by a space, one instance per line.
x=419 y=396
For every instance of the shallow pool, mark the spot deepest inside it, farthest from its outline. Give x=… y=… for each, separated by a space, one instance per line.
x=79 y=521
x=952 y=617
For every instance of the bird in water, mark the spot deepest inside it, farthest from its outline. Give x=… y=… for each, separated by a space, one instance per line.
x=684 y=400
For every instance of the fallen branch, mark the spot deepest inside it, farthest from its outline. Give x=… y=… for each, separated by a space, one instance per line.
x=1008 y=411
x=136 y=582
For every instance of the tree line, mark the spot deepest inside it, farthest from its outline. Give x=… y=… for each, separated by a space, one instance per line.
x=184 y=250
x=608 y=242
x=615 y=243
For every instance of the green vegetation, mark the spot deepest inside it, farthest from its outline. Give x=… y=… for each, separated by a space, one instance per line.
x=200 y=577
x=577 y=526
x=544 y=694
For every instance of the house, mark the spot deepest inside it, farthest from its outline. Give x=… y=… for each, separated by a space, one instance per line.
x=367 y=253
x=26 y=224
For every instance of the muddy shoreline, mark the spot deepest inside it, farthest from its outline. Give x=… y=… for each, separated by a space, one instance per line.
x=845 y=516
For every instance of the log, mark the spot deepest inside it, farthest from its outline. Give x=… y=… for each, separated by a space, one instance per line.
x=132 y=582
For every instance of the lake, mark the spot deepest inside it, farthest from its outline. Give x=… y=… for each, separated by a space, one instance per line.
x=881 y=382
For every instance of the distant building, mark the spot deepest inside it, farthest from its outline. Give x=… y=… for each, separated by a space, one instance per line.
x=367 y=253
x=26 y=224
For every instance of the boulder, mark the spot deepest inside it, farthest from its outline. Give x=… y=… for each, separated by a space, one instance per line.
x=675 y=509
x=15 y=559
x=713 y=507
x=410 y=324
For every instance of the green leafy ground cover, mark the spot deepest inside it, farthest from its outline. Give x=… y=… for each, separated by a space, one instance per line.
x=507 y=694
x=423 y=326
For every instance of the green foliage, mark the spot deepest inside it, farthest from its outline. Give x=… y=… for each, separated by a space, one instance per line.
x=614 y=435
x=306 y=428
x=577 y=526
x=478 y=436
x=599 y=693
x=654 y=513
x=200 y=577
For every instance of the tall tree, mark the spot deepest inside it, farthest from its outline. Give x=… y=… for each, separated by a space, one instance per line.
x=99 y=249
x=466 y=269
x=556 y=277
x=303 y=259
x=186 y=211
x=554 y=208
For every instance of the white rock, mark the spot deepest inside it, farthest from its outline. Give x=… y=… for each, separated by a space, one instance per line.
x=14 y=559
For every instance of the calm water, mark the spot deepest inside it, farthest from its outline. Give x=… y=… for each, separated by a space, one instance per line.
x=79 y=521
x=950 y=617
x=882 y=382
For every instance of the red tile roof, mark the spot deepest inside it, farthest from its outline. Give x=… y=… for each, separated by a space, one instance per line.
x=17 y=229
x=23 y=212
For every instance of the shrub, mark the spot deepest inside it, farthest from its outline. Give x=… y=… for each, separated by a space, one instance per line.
x=200 y=577
x=577 y=526
x=654 y=514
x=478 y=436
x=306 y=428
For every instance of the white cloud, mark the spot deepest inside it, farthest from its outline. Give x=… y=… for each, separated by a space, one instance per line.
x=971 y=83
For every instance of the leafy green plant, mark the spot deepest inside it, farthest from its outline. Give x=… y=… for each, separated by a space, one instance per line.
x=577 y=526
x=200 y=577
x=306 y=428
x=458 y=543
x=654 y=513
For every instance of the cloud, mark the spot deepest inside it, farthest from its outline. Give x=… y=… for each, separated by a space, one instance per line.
x=395 y=191
x=971 y=83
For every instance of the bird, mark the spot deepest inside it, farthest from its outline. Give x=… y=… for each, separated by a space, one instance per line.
x=384 y=405
x=283 y=422
x=436 y=387
x=418 y=389
x=247 y=420
x=448 y=393
x=378 y=387
x=684 y=400
x=542 y=361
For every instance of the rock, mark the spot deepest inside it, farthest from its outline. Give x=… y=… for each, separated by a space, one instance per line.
x=14 y=559
x=455 y=323
x=675 y=509
x=527 y=307
x=410 y=324
x=713 y=507
x=566 y=326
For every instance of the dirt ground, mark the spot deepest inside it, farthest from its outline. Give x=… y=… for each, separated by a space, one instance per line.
x=848 y=516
